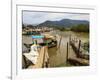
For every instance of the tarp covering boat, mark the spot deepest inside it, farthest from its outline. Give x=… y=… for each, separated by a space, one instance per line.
x=37 y=36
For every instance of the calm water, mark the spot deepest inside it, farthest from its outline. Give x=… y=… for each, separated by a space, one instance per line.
x=57 y=57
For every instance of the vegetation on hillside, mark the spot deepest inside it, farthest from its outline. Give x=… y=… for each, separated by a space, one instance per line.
x=80 y=28
x=75 y=28
x=63 y=28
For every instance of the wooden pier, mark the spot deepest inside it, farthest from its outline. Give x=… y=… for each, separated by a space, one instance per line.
x=76 y=55
x=79 y=51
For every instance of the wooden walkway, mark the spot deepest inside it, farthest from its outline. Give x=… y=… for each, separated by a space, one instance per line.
x=74 y=55
x=42 y=60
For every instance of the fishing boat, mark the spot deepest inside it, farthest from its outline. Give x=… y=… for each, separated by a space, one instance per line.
x=45 y=40
x=42 y=40
x=33 y=54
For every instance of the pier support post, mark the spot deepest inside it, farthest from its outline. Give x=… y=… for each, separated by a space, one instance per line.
x=79 y=47
x=69 y=39
x=67 y=53
x=59 y=42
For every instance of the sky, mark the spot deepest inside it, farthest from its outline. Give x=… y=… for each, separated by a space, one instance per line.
x=31 y=17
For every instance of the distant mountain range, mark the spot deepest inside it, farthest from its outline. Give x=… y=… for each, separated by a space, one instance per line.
x=63 y=23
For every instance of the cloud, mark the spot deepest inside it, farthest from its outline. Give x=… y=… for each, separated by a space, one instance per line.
x=30 y=17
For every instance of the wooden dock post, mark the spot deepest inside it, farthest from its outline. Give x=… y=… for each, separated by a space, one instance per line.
x=69 y=39
x=59 y=42
x=43 y=64
x=79 y=47
x=67 y=53
x=45 y=58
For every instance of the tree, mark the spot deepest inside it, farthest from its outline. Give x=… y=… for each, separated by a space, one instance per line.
x=80 y=28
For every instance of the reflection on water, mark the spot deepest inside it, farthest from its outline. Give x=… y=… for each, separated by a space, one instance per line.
x=57 y=56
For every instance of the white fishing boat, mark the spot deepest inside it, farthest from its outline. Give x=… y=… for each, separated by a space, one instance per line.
x=33 y=54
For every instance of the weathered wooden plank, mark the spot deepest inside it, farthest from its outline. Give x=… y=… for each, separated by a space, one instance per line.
x=43 y=56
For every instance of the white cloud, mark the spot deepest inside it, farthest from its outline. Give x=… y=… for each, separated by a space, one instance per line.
x=30 y=17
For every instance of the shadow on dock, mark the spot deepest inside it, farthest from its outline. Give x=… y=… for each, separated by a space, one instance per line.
x=77 y=62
